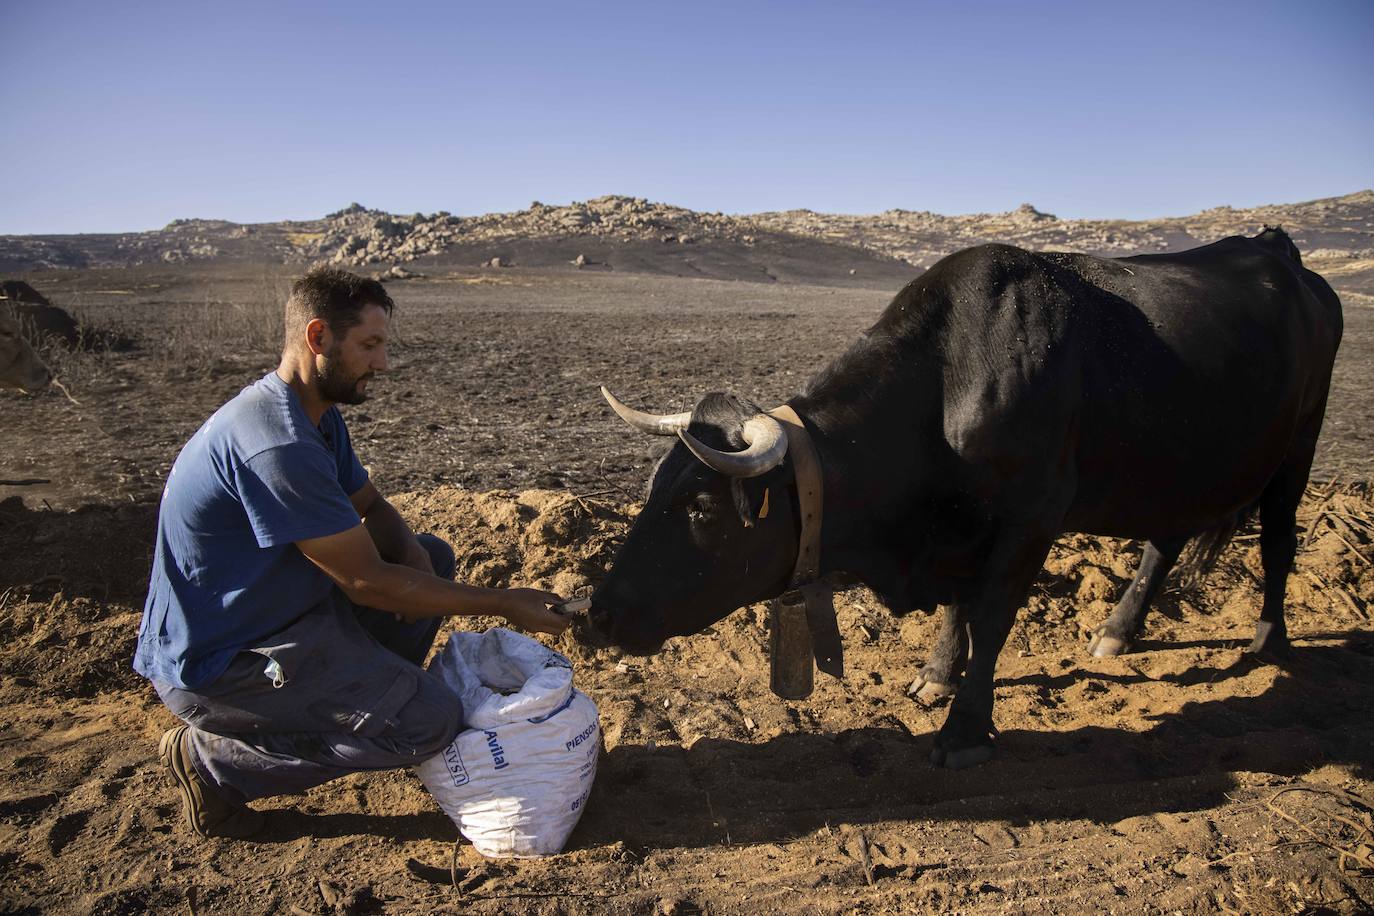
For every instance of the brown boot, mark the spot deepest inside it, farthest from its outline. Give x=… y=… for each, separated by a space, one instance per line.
x=206 y=812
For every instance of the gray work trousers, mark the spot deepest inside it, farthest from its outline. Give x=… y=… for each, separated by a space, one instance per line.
x=338 y=691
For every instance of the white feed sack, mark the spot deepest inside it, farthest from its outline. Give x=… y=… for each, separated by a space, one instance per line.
x=516 y=779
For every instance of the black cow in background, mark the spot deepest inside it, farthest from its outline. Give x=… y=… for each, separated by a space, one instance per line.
x=1002 y=398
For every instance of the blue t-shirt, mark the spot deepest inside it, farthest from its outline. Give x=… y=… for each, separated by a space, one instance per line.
x=257 y=476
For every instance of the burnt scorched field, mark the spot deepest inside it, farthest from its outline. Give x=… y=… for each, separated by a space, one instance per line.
x=1184 y=777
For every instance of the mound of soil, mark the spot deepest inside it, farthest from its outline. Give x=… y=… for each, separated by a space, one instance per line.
x=1183 y=776
x=552 y=539
x=71 y=591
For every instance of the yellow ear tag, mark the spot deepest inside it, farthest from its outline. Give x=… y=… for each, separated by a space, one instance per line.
x=763 y=510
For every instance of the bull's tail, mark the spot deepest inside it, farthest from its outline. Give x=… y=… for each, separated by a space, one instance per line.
x=1204 y=550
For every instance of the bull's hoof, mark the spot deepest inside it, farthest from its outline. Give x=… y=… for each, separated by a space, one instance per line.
x=1270 y=641
x=1105 y=645
x=961 y=758
x=963 y=743
x=930 y=693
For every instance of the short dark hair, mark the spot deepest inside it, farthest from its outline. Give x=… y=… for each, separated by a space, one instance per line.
x=336 y=296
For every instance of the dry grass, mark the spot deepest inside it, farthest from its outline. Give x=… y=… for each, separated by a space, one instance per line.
x=215 y=326
x=204 y=334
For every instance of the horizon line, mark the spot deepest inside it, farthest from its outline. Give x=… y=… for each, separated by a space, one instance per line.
x=733 y=214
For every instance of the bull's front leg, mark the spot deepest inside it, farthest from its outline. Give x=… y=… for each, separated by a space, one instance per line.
x=938 y=680
x=966 y=739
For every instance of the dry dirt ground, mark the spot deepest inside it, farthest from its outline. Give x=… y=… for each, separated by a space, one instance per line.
x=1184 y=777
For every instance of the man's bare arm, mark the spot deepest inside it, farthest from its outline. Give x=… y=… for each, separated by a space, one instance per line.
x=351 y=559
x=393 y=537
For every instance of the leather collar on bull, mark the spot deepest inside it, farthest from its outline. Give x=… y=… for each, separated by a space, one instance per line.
x=803 y=617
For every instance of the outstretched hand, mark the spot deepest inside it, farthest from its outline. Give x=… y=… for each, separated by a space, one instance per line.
x=528 y=609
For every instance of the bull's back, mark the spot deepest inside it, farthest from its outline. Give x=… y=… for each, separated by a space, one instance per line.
x=1198 y=371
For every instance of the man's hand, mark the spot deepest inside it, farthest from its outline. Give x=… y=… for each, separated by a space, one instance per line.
x=528 y=609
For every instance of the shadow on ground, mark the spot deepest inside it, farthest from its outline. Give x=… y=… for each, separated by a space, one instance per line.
x=721 y=791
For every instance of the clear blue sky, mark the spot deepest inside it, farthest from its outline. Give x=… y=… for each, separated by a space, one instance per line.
x=125 y=115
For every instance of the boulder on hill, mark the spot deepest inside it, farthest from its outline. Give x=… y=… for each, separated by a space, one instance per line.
x=1028 y=213
x=397 y=272
x=351 y=209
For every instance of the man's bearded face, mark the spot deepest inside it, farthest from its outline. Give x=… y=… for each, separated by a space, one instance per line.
x=337 y=382
x=346 y=363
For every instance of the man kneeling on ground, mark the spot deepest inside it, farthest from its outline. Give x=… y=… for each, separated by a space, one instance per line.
x=290 y=606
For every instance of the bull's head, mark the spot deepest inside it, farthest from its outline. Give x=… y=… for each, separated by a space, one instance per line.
x=20 y=366
x=718 y=529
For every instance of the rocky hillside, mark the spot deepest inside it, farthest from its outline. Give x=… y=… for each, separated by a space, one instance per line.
x=1336 y=235
x=1337 y=224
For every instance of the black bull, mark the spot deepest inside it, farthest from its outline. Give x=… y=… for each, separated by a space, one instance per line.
x=1002 y=398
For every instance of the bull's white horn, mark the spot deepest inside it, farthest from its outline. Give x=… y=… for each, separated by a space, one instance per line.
x=767 y=446
x=657 y=424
